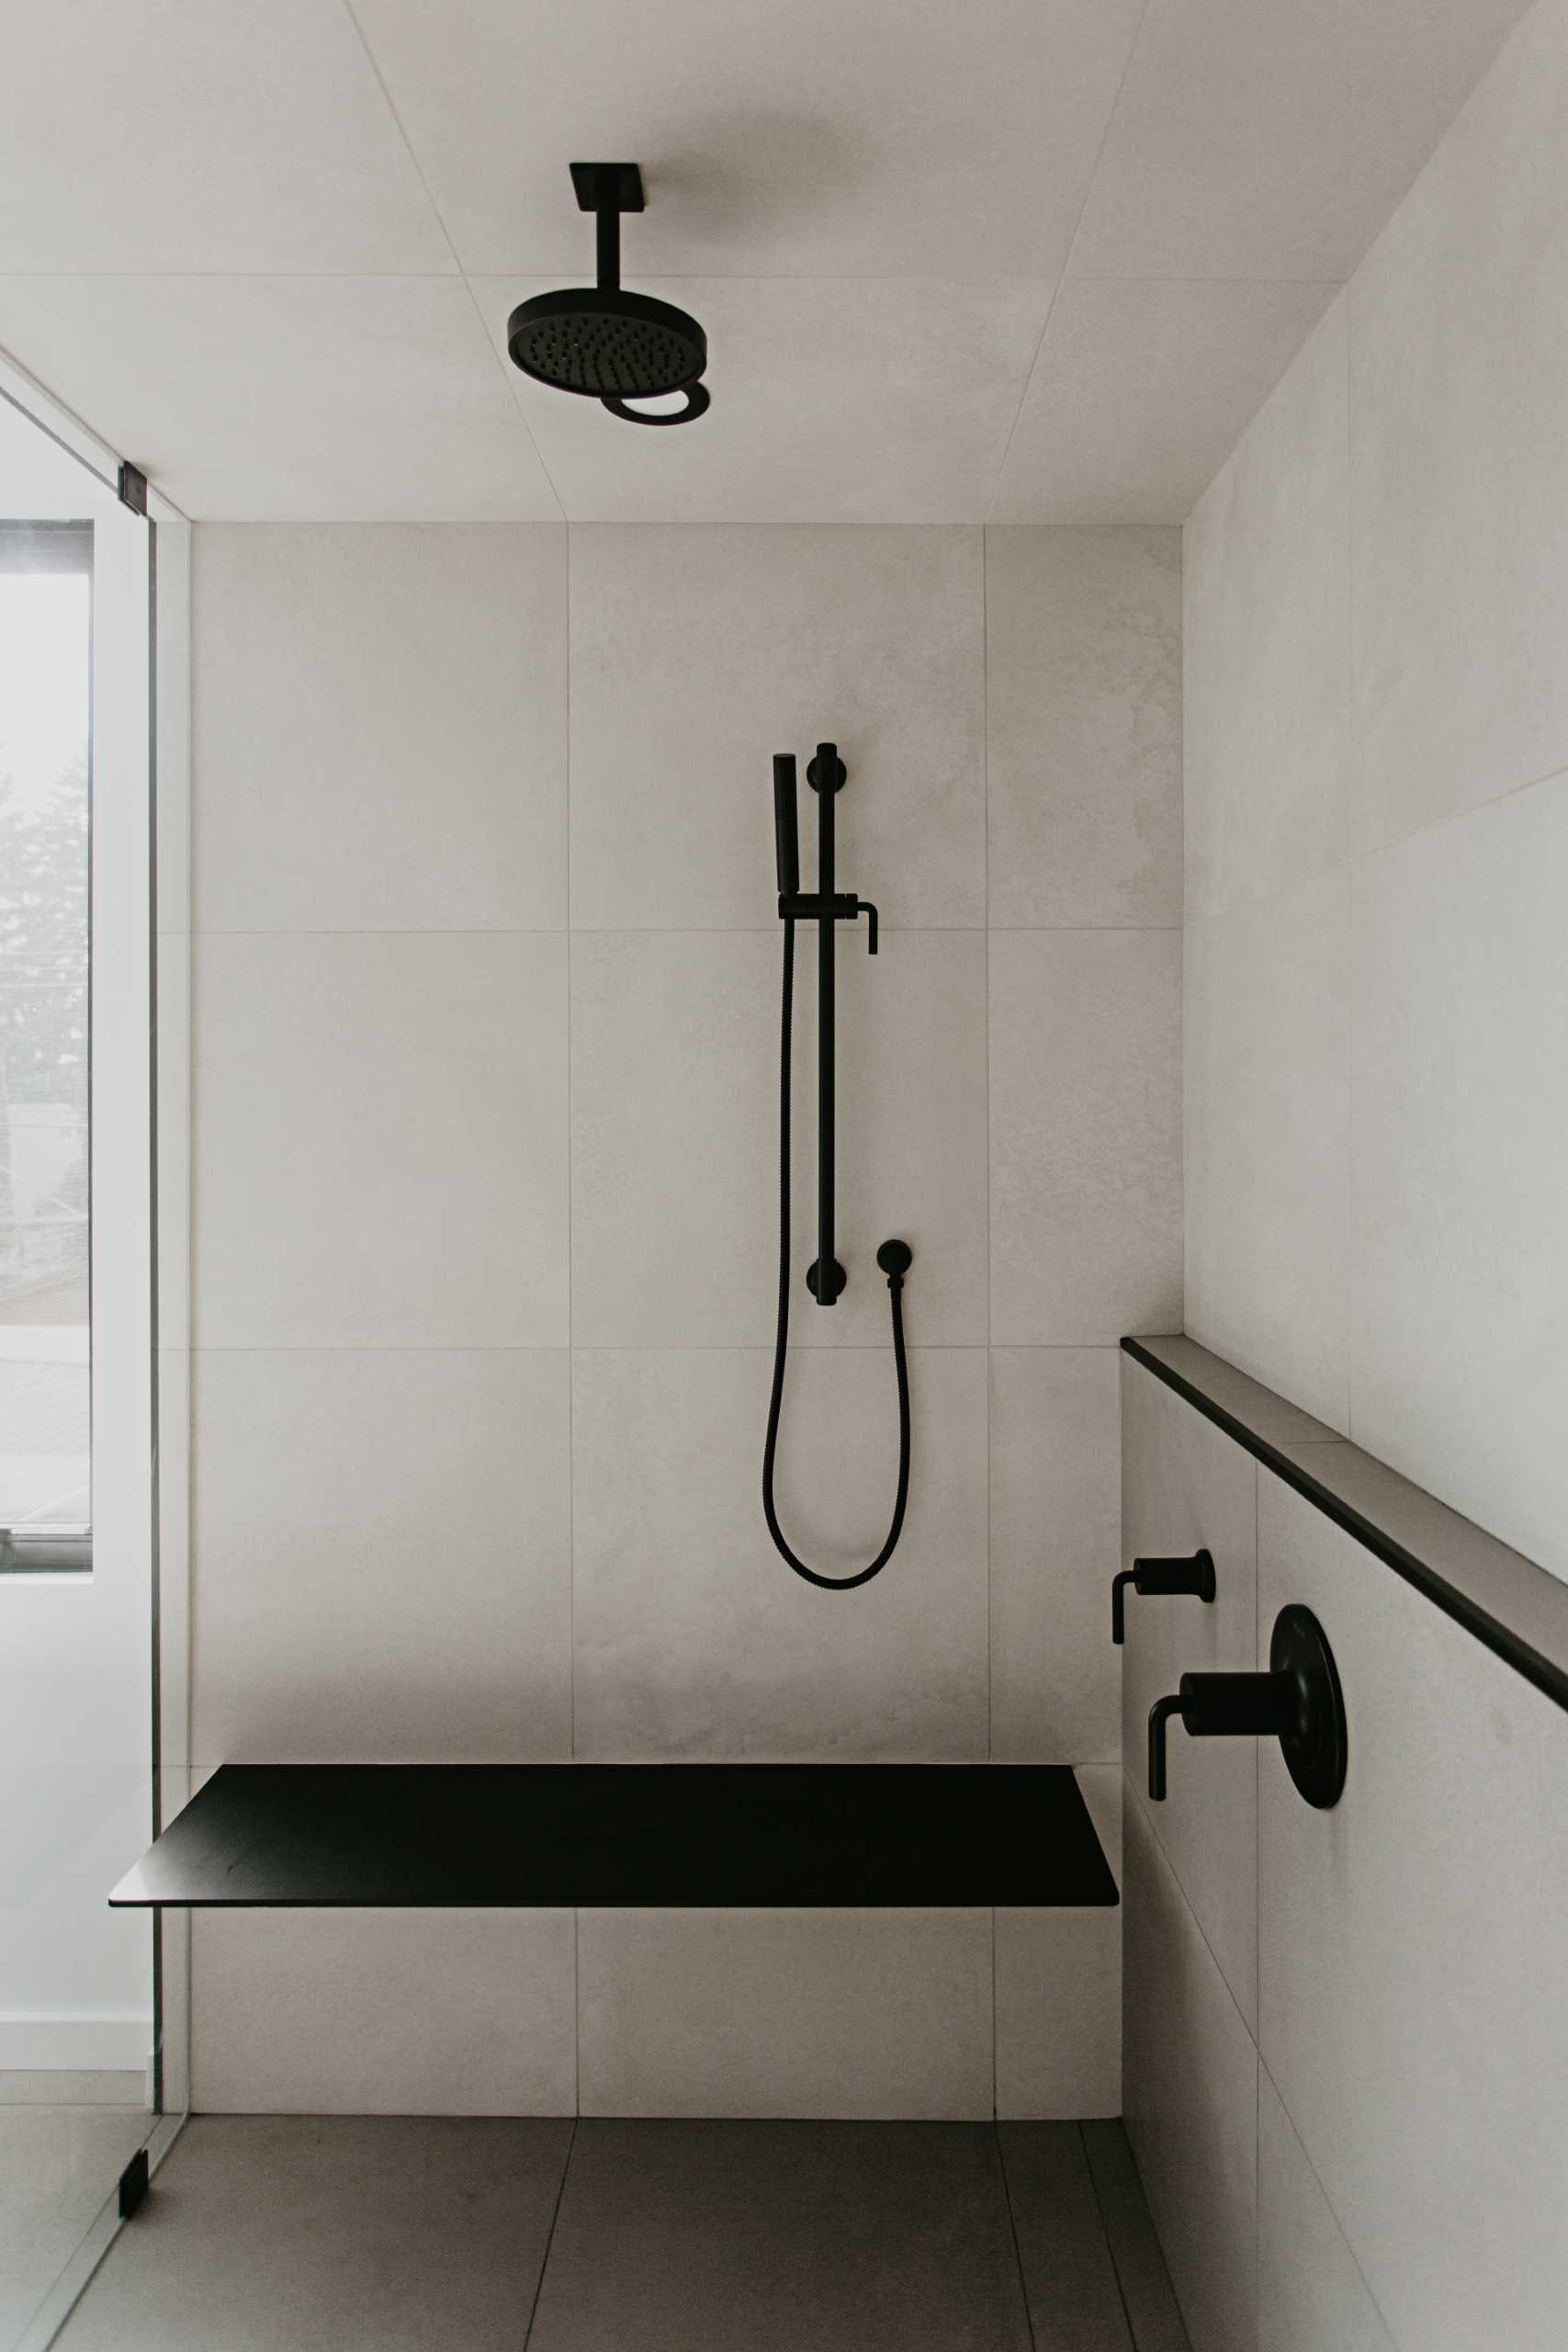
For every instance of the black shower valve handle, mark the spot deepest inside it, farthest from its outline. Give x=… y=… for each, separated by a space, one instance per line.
x=1298 y=1702
x=1194 y=1574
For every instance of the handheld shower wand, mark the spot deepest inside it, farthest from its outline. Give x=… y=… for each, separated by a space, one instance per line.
x=825 y=1279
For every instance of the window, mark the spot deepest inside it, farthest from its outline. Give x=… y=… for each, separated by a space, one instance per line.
x=46 y=581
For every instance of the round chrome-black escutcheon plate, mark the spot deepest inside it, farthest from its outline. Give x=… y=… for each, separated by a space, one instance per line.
x=1315 y=1749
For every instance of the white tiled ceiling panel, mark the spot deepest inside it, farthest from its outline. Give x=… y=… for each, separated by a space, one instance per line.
x=1024 y=260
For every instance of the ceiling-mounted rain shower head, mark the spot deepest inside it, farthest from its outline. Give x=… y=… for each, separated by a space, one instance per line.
x=602 y=342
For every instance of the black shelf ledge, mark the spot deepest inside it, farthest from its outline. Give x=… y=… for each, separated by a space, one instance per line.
x=640 y=1836
x=1513 y=1606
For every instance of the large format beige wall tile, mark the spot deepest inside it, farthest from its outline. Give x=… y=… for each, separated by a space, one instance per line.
x=1459 y=325
x=380 y=726
x=1267 y=1019
x=1410 y=1954
x=1311 y=2294
x=1190 y=2094
x=383 y=2013
x=697 y=653
x=1267 y=642
x=1055 y=1544
x=1086 y=1136
x=674 y=1138
x=1058 y=1990
x=379 y=1148
x=675 y=1170
x=338 y=1495
x=1460 y=1378
x=1083 y=727
x=1059 y=1994
x=797 y=2013
x=1186 y=1484
x=694 y=1639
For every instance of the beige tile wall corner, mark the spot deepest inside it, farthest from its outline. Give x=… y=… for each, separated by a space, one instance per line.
x=1376 y=774
x=1343 y=2034
x=1410 y=1947
x=1186 y=1484
x=486 y=1007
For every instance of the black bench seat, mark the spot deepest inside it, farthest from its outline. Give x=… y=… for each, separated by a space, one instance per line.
x=640 y=1836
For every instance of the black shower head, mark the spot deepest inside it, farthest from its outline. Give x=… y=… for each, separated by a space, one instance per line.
x=601 y=341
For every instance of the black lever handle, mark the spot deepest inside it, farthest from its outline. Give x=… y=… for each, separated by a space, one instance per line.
x=1194 y=1575
x=1298 y=1702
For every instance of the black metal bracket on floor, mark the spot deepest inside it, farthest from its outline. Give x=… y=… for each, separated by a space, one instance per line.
x=133 y=2183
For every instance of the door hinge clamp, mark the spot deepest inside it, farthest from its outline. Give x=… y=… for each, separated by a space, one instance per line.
x=133 y=2183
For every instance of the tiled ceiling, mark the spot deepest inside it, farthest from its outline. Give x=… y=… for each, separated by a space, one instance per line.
x=1024 y=260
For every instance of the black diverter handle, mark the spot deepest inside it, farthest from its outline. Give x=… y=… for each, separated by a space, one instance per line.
x=1194 y=1575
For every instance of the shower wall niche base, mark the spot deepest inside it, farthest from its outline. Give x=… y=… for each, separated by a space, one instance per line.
x=627 y=1836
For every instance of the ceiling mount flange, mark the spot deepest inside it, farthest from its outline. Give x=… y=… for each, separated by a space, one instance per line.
x=609 y=187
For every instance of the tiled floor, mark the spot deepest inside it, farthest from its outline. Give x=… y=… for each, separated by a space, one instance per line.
x=268 y=2233
x=59 y=2161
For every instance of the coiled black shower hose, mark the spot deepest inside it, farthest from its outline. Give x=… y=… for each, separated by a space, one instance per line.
x=781 y=1346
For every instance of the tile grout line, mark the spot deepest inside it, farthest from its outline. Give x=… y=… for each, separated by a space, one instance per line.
x=1106 y=2235
x=1265 y=2074
x=570 y=1438
x=1355 y=861
x=576 y=2016
x=671 y=929
x=1013 y=2229
x=986 y=817
x=990 y=1653
x=352 y=13
x=1258 y=1919
x=549 y=2238
x=570 y=1318
x=994 y=2114
x=1184 y=1899
x=564 y=266
x=1067 y=257
x=633 y=1346
x=1352 y=761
